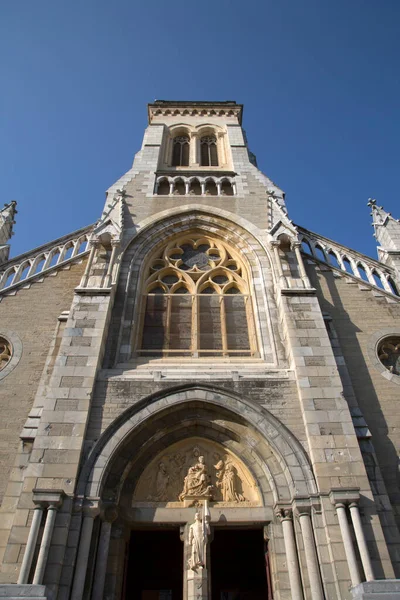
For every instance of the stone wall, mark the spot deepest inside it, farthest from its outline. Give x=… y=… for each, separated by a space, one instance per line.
x=113 y=396
x=358 y=314
x=31 y=315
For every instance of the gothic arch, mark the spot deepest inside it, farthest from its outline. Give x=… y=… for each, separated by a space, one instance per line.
x=235 y=230
x=271 y=452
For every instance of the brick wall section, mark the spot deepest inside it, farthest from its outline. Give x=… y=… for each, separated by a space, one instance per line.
x=32 y=313
x=357 y=314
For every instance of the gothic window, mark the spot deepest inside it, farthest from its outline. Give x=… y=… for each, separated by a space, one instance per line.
x=196 y=302
x=208 y=151
x=389 y=354
x=5 y=352
x=180 y=152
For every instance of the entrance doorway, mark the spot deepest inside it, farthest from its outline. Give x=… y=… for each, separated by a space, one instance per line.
x=155 y=566
x=239 y=566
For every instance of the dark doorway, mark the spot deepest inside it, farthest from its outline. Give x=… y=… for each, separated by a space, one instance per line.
x=238 y=565
x=155 y=566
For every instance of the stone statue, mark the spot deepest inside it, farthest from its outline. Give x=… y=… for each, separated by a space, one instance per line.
x=198 y=537
x=162 y=480
x=196 y=482
x=159 y=484
x=227 y=481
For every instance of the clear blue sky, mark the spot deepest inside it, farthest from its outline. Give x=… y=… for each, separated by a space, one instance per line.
x=319 y=80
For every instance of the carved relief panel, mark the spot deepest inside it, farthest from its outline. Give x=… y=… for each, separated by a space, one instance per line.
x=196 y=469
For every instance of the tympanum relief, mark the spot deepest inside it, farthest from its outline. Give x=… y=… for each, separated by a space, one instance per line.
x=195 y=470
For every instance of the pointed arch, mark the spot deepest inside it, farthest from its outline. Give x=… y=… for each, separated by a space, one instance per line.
x=271 y=452
x=156 y=230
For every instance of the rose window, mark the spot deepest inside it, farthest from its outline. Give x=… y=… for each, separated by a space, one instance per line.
x=5 y=352
x=389 y=354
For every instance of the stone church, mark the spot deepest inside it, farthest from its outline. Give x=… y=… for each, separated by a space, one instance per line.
x=199 y=399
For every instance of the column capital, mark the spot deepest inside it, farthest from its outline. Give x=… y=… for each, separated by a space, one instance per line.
x=91 y=507
x=275 y=243
x=115 y=243
x=302 y=507
x=108 y=512
x=47 y=498
x=295 y=244
x=284 y=513
x=344 y=496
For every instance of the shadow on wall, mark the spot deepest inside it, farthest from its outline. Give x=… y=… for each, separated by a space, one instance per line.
x=366 y=398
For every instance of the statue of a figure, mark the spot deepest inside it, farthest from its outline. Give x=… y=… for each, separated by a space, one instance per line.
x=196 y=481
x=198 y=535
x=227 y=482
x=162 y=480
x=160 y=484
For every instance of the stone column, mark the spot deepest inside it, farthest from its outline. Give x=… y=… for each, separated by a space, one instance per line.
x=31 y=545
x=296 y=247
x=94 y=244
x=194 y=150
x=361 y=541
x=45 y=545
x=109 y=516
x=285 y=517
x=276 y=245
x=90 y=512
x=114 y=245
x=304 y=516
x=348 y=543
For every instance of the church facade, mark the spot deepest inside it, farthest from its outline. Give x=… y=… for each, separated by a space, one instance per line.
x=198 y=397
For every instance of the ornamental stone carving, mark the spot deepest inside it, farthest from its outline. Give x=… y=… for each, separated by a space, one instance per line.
x=193 y=471
x=197 y=481
x=229 y=482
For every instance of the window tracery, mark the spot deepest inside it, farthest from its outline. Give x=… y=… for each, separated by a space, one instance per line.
x=208 y=151
x=5 y=352
x=180 y=152
x=196 y=301
x=389 y=354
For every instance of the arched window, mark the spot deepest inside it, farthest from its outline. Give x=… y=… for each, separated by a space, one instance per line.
x=333 y=259
x=180 y=152
x=209 y=154
x=196 y=301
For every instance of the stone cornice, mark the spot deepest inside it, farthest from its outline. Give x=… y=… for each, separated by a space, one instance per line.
x=194 y=108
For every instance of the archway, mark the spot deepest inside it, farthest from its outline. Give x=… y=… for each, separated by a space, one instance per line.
x=193 y=421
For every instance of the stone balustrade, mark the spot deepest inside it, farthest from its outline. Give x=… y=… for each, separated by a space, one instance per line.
x=31 y=265
x=349 y=261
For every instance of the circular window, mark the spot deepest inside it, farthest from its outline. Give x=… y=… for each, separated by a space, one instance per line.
x=383 y=349
x=389 y=354
x=5 y=352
